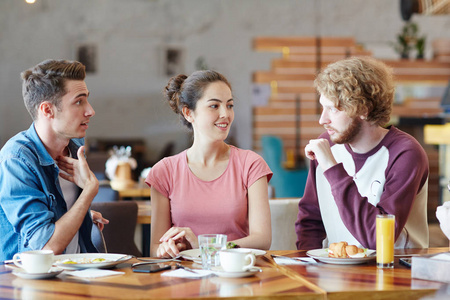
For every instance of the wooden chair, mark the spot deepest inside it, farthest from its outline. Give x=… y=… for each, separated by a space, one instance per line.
x=283 y=214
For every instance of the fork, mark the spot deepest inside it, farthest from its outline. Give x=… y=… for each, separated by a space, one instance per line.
x=304 y=260
x=180 y=266
x=156 y=260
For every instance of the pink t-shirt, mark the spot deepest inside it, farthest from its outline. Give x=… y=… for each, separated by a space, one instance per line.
x=217 y=206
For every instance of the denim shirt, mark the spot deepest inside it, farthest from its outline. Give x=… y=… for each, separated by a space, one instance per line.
x=31 y=200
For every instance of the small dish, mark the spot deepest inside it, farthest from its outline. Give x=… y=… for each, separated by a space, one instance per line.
x=256 y=252
x=194 y=254
x=53 y=272
x=221 y=273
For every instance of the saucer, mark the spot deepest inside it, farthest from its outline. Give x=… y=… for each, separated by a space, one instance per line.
x=53 y=272
x=221 y=273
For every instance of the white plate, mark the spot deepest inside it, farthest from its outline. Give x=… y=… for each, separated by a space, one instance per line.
x=257 y=252
x=194 y=254
x=322 y=255
x=111 y=260
x=50 y=274
x=221 y=273
x=191 y=254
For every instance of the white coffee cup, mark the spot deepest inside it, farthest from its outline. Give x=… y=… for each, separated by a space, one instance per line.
x=37 y=261
x=237 y=260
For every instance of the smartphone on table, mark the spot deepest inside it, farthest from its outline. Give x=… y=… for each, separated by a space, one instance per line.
x=150 y=268
x=406 y=261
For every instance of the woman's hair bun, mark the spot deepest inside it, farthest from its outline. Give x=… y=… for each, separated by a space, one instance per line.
x=172 y=91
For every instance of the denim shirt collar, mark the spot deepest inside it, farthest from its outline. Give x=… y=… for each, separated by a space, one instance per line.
x=44 y=157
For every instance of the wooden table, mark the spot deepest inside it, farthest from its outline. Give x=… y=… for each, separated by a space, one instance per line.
x=138 y=191
x=365 y=281
x=144 y=212
x=145 y=219
x=322 y=281
x=267 y=284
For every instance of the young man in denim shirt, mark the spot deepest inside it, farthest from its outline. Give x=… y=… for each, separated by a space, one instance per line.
x=35 y=213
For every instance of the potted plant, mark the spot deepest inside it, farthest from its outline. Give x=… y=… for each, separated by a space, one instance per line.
x=406 y=39
x=402 y=47
x=420 y=47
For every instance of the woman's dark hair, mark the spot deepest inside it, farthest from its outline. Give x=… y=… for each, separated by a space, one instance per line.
x=183 y=91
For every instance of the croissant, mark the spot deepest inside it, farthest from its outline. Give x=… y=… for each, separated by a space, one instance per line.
x=344 y=250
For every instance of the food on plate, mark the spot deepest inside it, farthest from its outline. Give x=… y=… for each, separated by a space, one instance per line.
x=344 y=250
x=231 y=245
x=83 y=261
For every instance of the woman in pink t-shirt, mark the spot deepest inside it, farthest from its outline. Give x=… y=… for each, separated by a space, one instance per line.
x=211 y=187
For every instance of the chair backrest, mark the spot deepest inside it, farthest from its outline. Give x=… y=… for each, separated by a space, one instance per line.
x=288 y=183
x=119 y=233
x=272 y=148
x=283 y=214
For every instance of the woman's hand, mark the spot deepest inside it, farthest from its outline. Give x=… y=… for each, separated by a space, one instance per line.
x=176 y=239
x=170 y=249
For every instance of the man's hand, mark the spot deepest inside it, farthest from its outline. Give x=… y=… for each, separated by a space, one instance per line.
x=98 y=219
x=320 y=150
x=443 y=215
x=77 y=171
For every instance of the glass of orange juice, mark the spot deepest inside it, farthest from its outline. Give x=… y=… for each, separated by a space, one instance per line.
x=385 y=227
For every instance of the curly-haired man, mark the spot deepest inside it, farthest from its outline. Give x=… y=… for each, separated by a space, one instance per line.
x=358 y=167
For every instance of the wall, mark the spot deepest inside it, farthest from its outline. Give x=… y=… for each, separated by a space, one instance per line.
x=126 y=89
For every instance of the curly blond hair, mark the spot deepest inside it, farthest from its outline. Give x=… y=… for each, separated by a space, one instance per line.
x=359 y=86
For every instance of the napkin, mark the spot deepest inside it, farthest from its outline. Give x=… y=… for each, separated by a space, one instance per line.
x=443 y=215
x=292 y=261
x=442 y=256
x=93 y=273
x=181 y=273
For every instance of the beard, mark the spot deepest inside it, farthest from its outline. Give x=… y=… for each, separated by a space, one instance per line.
x=348 y=135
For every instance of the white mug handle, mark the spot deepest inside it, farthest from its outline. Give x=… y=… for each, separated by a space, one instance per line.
x=252 y=258
x=16 y=260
